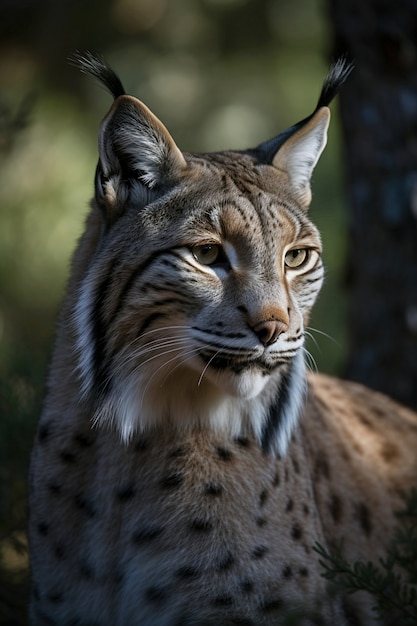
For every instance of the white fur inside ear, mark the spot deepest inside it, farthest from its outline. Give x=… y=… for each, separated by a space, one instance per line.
x=132 y=134
x=300 y=153
x=149 y=151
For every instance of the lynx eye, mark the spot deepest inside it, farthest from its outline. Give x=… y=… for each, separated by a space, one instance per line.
x=207 y=254
x=296 y=258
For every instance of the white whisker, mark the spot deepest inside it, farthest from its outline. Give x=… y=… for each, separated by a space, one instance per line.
x=155 y=356
x=207 y=365
x=136 y=355
x=162 y=329
x=313 y=339
x=320 y=332
x=310 y=361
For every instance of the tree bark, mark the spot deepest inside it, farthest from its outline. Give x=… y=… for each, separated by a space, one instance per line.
x=379 y=119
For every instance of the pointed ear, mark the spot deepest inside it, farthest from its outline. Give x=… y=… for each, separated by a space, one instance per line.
x=299 y=154
x=136 y=150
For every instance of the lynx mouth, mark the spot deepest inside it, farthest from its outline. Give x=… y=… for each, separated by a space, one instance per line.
x=239 y=365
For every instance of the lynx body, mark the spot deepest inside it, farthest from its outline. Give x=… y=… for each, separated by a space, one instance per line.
x=185 y=463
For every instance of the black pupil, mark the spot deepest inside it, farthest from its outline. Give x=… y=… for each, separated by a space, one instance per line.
x=205 y=250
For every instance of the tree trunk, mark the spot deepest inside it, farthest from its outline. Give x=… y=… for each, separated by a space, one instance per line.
x=379 y=118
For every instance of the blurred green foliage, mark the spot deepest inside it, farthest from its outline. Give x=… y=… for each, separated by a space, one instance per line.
x=220 y=74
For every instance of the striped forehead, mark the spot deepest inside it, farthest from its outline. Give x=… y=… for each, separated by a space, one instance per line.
x=241 y=204
x=257 y=223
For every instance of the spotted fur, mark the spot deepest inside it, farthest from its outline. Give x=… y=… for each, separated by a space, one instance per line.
x=185 y=463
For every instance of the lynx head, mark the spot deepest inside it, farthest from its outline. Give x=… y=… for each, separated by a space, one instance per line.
x=200 y=275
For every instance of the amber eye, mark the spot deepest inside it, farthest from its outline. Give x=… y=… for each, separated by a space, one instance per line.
x=207 y=254
x=296 y=258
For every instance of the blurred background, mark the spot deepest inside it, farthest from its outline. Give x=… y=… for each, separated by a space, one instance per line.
x=220 y=74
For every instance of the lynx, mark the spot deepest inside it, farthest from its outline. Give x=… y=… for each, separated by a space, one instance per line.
x=185 y=462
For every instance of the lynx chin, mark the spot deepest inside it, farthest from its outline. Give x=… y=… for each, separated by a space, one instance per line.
x=185 y=462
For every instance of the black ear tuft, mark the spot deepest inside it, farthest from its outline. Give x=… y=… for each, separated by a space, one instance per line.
x=94 y=65
x=332 y=84
x=337 y=76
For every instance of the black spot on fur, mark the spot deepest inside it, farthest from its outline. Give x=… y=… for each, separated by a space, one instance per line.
x=287 y=572
x=261 y=521
x=271 y=605
x=85 y=505
x=187 y=571
x=213 y=489
x=224 y=454
x=55 y=597
x=243 y=442
x=44 y=431
x=259 y=552
x=141 y=445
x=54 y=488
x=389 y=452
x=290 y=505
x=222 y=601
x=43 y=528
x=149 y=533
x=156 y=595
x=247 y=586
x=303 y=572
x=67 y=456
x=59 y=551
x=350 y=613
x=178 y=452
x=321 y=467
x=276 y=480
x=172 y=480
x=86 y=570
x=335 y=508
x=296 y=532
x=126 y=492
x=201 y=525
x=363 y=516
x=263 y=497
x=225 y=562
x=83 y=440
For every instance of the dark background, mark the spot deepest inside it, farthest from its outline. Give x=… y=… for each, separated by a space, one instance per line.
x=220 y=74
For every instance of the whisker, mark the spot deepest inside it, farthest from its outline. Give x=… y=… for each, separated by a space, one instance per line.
x=155 y=330
x=155 y=356
x=149 y=349
x=320 y=332
x=313 y=339
x=207 y=365
x=163 y=329
x=310 y=361
x=192 y=352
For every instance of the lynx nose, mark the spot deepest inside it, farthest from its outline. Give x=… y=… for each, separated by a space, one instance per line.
x=268 y=331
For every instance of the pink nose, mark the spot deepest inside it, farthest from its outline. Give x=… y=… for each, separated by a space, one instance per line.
x=268 y=331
